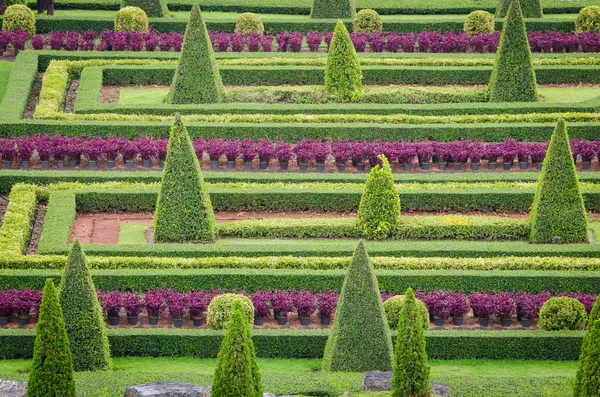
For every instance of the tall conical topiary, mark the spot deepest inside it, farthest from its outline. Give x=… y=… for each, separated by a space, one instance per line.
x=585 y=350
x=531 y=8
x=84 y=319
x=197 y=78
x=558 y=208
x=359 y=340
x=379 y=210
x=588 y=382
x=513 y=77
x=333 y=9
x=52 y=368
x=237 y=373
x=183 y=208
x=343 y=77
x=411 y=370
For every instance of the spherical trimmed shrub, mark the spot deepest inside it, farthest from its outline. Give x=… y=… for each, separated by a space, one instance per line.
x=479 y=22
x=220 y=308
x=588 y=20
x=367 y=21
x=249 y=22
x=562 y=313
x=393 y=306
x=19 y=17
x=131 y=19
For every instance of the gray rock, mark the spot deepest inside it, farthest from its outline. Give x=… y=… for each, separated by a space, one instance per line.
x=9 y=388
x=168 y=389
x=381 y=381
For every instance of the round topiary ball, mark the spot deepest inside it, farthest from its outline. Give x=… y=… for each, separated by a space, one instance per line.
x=479 y=22
x=367 y=21
x=220 y=307
x=131 y=19
x=562 y=314
x=19 y=17
x=249 y=22
x=588 y=20
x=393 y=306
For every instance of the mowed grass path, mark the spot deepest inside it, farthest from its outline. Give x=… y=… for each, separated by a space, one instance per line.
x=5 y=69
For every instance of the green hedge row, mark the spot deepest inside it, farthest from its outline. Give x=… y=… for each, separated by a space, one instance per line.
x=279 y=343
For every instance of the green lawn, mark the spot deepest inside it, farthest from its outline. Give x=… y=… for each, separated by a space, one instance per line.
x=5 y=68
x=575 y=94
x=133 y=233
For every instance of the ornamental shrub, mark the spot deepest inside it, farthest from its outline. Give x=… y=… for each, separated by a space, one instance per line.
x=562 y=313
x=183 y=208
x=479 y=22
x=531 y=8
x=52 y=368
x=394 y=305
x=513 y=78
x=411 y=370
x=590 y=377
x=220 y=309
x=379 y=209
x=131 y=19
x=197 y=78
x=367 y=21
x=359 y=340
x=590 y=339
x=237 y=371
x=249 y=22
x=343 y=77
x=558 y=208
x=333 y=9
x=588 y=20
x=19 y=17
x=152 y=8
x=84 y=319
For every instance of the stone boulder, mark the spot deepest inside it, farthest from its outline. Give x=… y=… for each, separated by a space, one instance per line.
x=381 y=381
x=9 y=388
x=167 y=389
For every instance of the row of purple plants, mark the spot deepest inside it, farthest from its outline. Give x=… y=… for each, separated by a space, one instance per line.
x=425 y=41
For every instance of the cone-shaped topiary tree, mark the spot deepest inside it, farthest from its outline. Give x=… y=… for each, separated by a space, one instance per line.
x=237 y=373
x=379 y=210
x=411 y=371
x=343 y=77
x=333 y=9
x=513 y=77
x=531 y=8
x=52 y=368
x=583 y=357
x=197 y=78
x=588 y=382
x=183 y=209
x=558 y=208
x=359 y=339
x=84 y=319
x=153 y=8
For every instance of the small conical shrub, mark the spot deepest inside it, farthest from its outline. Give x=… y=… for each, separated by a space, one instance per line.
x=84 y=319
x=513 y=77
x=197 y=78
x=590 y=377
x=583 y=357
x=379 y=209
x=153 y=8
x=333 y=9
x=343 y=77
x=52 y=368
x=359 y=340
x=183 y=208
x=411 y=370
x=558 y=208
x=237 y=373
x=531 y=8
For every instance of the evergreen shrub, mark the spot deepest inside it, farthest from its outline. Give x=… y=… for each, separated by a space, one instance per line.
x=343 y=77
x=131 y=19
x=221 y=306
x=588 y=20
x=19 y=17
x=590 y=339
x=333 y=9
x=249 y=22
x=394 y=305
x=152 y=8
x=531 y=8
x=479 y=22
x=562 y=313
x=367 y=21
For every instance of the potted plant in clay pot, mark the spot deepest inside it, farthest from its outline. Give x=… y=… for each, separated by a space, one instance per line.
x=231 y=149
x=587 y=151
x=320 y=152
x=282 y=305
x=304 y=153
x=442 y=150
x=262 y=302
x=112 y=302
x=492 y=154
x=483 y=306
x=476 y=154
x=147 y=149
x=358 y=155
x=266 y=151
x=527 y=308
x=425 y=151
x=215 y=149
x=440 y=307
x=248 y=153
x=130 y=152
x=22 y=305
x=6 y=306
x=25 y=149
x=523 y=155
x=283 y=153
x=155 y=304
x=134 y=305
x=406 y=153
x=326 y=305
x=74 y=151
x=197 y=306
x=306 y=305
x=8 y=152
x=459 y=307
x=176 y=302
x=112 y=149
x=458 y=154
x=161 y=151
x=505 y=307
x=538 y=154
x=508 y=150
x=341 y=151
x=45 y=150
x=92 y=151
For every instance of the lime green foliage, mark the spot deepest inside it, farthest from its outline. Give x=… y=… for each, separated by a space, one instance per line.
x=379 y=210
x=221 y=306
x=343 y=77
x=411 y=370
x=183 y=208
x=152 y=8
x=588 y=381
x=558 y=208
x=333 y=9
x=588 y=20
x=531 y=8
x=367 y=21
x=562 y=313
x=513 y=78
x=249 y=22
x=197 y=78
x=359 y=339
x=131 y=19
x=19 y=17
x=84 y=320
x=52 y=369
x=590 y=339
x=394 y=305
x=479 y=22
x=237 y=373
